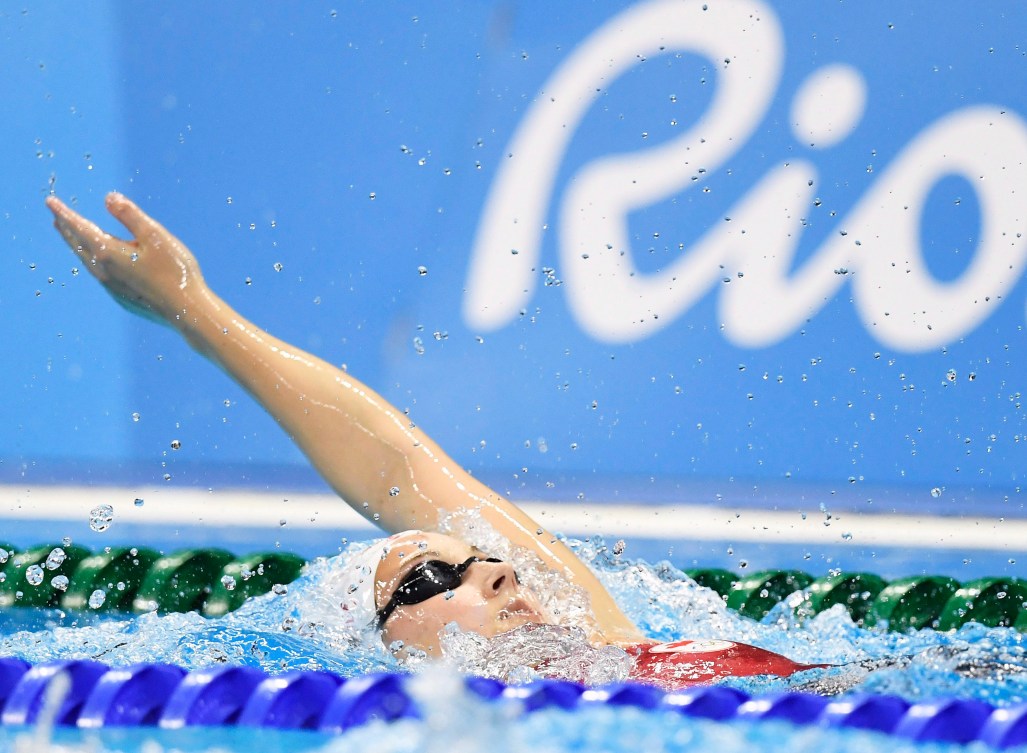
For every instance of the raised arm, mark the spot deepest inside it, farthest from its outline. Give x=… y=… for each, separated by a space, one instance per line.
x=366 y=449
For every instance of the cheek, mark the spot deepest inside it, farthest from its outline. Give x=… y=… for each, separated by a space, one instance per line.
x=420 y=627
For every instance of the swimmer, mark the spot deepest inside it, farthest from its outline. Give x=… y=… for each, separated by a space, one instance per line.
x=415 y=583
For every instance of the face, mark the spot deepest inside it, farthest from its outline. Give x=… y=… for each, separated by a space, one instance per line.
x=489 y=601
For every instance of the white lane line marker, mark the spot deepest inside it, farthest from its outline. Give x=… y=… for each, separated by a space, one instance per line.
x=674 y=522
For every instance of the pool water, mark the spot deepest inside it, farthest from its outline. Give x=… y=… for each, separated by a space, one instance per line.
x=297 y=630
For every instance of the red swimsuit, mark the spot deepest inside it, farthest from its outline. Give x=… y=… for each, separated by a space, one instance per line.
x=680 y=664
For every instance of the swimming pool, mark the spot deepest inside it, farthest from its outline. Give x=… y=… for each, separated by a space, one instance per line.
x=434 y=106
x=293 y=629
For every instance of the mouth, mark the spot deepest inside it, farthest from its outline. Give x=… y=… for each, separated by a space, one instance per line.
x=519 y=609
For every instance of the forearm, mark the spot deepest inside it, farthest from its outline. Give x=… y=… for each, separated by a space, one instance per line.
x=362 y=445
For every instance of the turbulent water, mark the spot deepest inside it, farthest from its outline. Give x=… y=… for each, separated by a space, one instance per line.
x=299 y=630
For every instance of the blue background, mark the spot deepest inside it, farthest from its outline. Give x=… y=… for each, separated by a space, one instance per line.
x=258 y=133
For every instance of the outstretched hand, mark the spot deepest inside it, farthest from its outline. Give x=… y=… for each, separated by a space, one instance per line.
x=152 y=275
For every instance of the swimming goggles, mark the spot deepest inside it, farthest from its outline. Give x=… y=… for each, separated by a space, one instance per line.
x=427 y=579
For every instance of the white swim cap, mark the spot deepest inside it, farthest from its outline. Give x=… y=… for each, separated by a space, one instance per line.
x=353 y=587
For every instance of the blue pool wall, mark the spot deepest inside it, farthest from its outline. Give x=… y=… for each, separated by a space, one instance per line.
x=353 y=148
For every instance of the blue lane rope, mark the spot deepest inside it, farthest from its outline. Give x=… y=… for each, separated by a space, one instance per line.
x=165 y=696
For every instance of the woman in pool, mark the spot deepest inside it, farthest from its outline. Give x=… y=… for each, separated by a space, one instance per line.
x=419 y=580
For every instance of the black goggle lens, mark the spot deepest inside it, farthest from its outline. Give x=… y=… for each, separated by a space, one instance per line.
x=426 y=580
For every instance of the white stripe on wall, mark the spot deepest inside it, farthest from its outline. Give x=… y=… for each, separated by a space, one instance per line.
x=183 y=507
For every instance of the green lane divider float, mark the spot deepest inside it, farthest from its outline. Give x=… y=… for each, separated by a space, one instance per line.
x=108 y=580
x=38 y=577
x=215 y=582
x=854 y=591
x=139 y=579
x=998 y=602
x=912 y=603
x=182 y=581
x=754 y=596
x=933 y=601
x=248 y=577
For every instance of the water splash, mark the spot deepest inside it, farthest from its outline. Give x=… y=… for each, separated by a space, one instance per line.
x=301 y=629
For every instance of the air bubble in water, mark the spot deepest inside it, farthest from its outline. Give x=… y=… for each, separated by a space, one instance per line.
x=97 y=598
x=34 y=575
x=60 y=582
x=228 y=582
x=101 y=517
x=4 y=554
x=55 y=558
x=279 y=589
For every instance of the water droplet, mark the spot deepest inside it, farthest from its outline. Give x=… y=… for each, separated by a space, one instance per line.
x=278 y=266
x=394 y=491
x=97 y=598
x=135 y=417
x=138 y=502
x=176 y=444
x=422 y=271
x=55 y=559
x=951 y=375
x=34 y=575
x=936 y=492
x=372 y=196
x=4 y=554
x=60 y=582
x=228 y=582
x=279 y=589
x=101 y=517
x=619 y=546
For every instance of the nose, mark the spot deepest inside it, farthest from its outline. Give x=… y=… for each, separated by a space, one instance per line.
x=495 y=578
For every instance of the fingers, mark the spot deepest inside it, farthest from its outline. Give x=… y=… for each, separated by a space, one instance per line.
x=85 y=238
x=140 y=224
